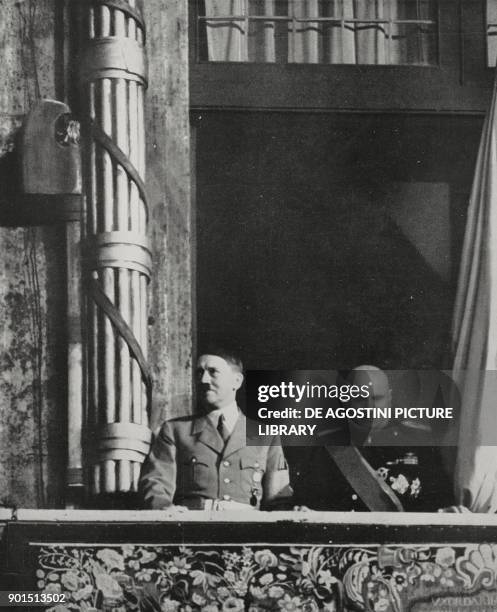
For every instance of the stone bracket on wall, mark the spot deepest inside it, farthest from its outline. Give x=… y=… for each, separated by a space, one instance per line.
x=44 y=182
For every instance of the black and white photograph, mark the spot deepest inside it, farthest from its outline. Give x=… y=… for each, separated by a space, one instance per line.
x=248 y=292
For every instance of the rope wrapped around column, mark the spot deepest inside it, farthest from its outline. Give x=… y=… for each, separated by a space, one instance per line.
x=116 y=253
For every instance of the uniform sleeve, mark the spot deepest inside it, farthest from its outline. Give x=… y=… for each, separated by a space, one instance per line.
x=277 y=493
x=158 y=475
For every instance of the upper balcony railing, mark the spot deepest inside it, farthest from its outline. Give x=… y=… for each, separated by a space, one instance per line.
x=385 y=32
x=361 y=55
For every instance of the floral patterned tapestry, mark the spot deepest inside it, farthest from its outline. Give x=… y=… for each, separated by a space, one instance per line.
x=257 y=578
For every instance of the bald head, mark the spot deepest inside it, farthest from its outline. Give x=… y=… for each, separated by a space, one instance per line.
x=380 y=394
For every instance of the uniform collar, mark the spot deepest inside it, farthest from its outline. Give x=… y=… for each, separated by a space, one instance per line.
x=231 y=414
x=205 y=427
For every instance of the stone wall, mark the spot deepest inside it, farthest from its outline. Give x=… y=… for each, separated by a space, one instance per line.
x=168 y=184
x=32 y=295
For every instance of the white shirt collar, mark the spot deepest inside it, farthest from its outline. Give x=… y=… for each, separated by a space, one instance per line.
x=230 y=412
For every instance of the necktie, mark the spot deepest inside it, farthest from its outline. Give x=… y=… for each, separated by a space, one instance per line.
x=222 y=429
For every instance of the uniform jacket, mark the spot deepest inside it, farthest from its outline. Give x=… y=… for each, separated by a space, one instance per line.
x=189 y=463
x=415 y=474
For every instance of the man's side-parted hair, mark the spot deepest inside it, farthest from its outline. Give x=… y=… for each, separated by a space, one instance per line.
x=225 y=353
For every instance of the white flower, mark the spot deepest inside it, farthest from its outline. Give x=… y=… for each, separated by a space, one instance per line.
x=276 y=592
x=399 y=484
x=70 y=580
x=233 y=604
x=128 y=550
x=110 y=588
x=229 y=576
x=326 y=577
x=445 y=556
x=446 y=578
x=257 y=592
x=169 y=605
x=266 y=558
x=147 y=556
x=399 y=580
x=111 y=558
x=222 y=592
x=290 y=604
x=415 y=487
x=266 y=579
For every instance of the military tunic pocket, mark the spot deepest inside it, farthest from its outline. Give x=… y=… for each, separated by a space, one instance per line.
x=194 y=475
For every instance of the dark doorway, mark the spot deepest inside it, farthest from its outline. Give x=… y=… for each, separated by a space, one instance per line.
x=331 y=240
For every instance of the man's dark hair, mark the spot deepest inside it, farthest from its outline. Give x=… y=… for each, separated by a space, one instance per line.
x=229 y=355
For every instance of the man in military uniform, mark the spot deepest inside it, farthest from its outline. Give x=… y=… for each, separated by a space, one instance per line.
x=384 y=468
x=202 y=461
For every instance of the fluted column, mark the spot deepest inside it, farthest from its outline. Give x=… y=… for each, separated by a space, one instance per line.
x=116 y=252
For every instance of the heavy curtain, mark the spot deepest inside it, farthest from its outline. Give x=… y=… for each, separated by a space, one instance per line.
x=367 y=31
x=475 y=333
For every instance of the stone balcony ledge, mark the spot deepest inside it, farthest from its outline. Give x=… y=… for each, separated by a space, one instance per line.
x=25 y=515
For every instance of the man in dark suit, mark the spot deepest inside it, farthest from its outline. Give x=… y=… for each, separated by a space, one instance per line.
x=203 y=461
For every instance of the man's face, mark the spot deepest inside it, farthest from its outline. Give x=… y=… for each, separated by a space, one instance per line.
x=380 y=396
x=217 y=381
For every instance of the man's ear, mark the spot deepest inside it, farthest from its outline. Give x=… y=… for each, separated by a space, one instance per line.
x=238 y=380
